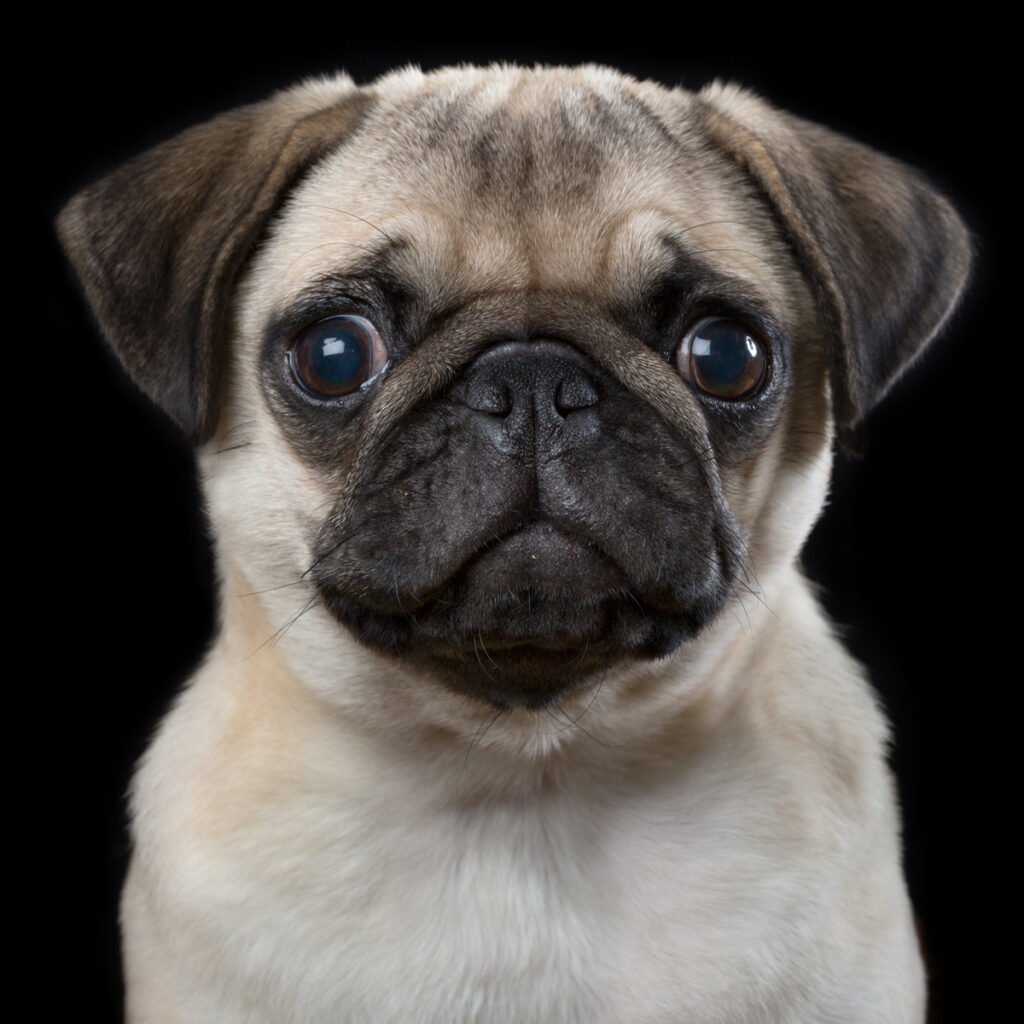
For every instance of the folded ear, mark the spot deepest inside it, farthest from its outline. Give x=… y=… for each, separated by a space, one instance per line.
x=886 y=256
x=159 y=242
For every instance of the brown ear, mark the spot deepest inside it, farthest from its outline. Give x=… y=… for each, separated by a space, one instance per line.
x=158 y=243
x=885 y=254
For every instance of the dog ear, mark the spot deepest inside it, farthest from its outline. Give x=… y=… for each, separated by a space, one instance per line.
x=885 y=254
x=159 y=242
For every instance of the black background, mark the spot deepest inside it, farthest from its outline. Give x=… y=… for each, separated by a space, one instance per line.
x=907 y=554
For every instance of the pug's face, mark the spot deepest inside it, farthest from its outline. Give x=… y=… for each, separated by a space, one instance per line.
x=528 y=375
x=525 y=388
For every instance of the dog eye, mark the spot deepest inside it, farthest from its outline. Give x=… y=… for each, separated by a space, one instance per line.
x=337 y=356
x=723 y=358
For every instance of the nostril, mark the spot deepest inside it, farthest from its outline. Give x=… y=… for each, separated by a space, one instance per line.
x=530 y=383
x=574 y=392
x=485 y=394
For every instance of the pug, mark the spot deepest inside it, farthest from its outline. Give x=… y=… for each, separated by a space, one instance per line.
x=515 y=393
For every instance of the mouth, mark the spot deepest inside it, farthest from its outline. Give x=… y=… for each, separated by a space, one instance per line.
x=530 y=617
x=537 y=560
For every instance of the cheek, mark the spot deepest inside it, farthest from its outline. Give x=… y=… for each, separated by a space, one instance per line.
x=777 y=495
x=264 y=504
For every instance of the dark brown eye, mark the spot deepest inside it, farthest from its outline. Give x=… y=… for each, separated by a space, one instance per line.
x=337 y=356
x=723 y=358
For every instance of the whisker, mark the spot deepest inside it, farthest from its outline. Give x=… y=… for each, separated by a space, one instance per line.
x=354 y=216
x=483 y=667
x=337 y=243
x=590 y=703
x=486 y=723
x=270 y=590
x=275 y=637
x=232 y=448
x=746 y=252
x=709 y=223
x=574 y=723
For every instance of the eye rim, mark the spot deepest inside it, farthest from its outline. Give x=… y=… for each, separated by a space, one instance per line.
x=683 y=357
x=379 y=360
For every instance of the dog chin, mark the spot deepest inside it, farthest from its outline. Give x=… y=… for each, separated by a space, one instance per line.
x=530 y=619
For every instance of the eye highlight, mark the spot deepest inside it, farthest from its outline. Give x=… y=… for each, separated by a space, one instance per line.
x=723 y=358
x=337 y=356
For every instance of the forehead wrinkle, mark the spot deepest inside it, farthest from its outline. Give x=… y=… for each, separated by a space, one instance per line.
x=710 y=281
x=648 y=248
x=417 y=255
x=521 y=144
x=633 y=253
x=373 y=261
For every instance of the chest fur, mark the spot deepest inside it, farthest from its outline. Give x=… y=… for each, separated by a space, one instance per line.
x=590 y=896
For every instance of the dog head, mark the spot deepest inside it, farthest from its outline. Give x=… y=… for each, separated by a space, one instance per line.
x=507 y=382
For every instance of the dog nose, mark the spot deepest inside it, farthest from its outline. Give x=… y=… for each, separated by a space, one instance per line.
x=532 y=392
